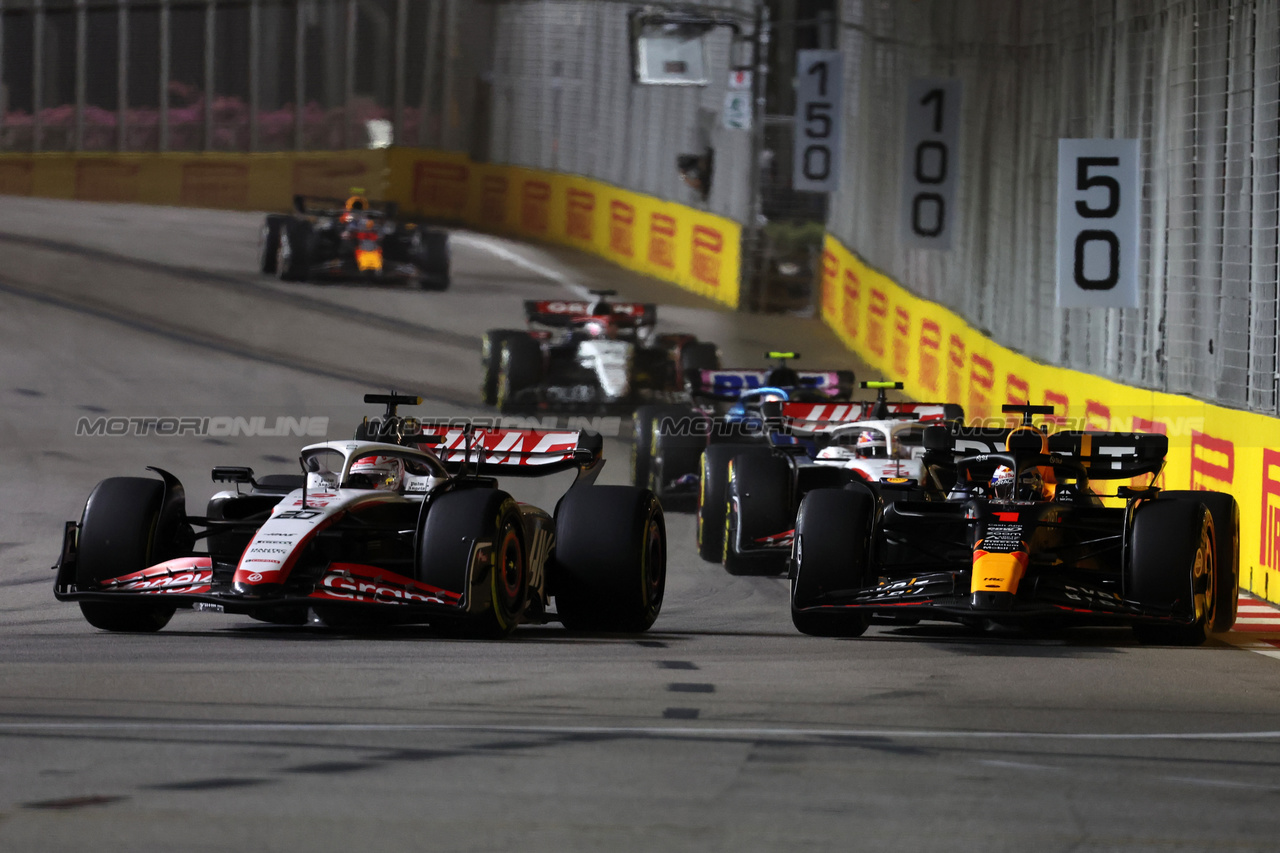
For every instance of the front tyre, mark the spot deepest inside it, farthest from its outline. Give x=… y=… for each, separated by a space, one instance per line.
x=610 y=570
x=118 y=537
x=499 y=587
x=1173 y=566
x=490 y=356
x=269 y=242
x=831 y=553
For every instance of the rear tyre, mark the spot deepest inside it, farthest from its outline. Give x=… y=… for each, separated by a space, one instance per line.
x=490 y=355
x=1226 y=543
x=293 y=254
x=646 y=423
x=519 y=368
x=675 y=454
x=699 y=355
x=118 y=537
x=610 y=568
x=713 y=481
x=455 y=522
x=758 y=505
x=269 y=242
x=831 y=552
x=1172 y=565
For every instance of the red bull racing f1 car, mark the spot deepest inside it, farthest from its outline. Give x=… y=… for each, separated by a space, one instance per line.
x=357 y=240
x=1009 y=529
x=403 y=524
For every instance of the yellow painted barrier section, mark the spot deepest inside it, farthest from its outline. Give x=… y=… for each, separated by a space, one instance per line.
x=939 y=356
x=696 y=250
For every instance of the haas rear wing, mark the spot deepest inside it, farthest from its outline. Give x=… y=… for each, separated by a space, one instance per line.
x=562 y=312
x=731 y=384
x=828 y=417
x=512 y=451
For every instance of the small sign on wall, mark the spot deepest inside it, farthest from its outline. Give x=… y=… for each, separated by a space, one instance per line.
x=819 y=99
x=1099 y=190
x=930 y=162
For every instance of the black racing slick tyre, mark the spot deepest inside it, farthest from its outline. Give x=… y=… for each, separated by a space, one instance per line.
x=500 y=589
x=118 y=537
x=758 y=506
x=293 y=253
x=269 y=242
x=831 y=552
x=713 y=481
x=1171 y=566
x=699 y=355
x=646 y=424
x=610 y=569
x=432 y=256
x=519 y=368
x=490 y=356
x=1226 y=540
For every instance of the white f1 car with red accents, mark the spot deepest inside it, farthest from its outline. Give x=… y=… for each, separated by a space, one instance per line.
x=403 y=524
x=587 y=355
x=812 y=446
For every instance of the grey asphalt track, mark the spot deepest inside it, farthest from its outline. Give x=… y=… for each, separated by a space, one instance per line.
x=722 y=729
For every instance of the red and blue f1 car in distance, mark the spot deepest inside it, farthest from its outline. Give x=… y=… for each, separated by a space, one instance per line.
x=326 y=238
x=1008 y=530
x=587 y=355
x=812 y=446
x=404 y=524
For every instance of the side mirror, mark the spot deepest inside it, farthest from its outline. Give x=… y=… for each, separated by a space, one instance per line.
x=232 y=474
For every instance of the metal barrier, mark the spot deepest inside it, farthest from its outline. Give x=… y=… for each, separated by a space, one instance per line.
x=1197 y=81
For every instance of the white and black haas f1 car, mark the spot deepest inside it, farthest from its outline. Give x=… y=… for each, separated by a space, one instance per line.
x=404 y=524
x=587 y=355
x=327 y=239
x=815 y=446
x=1008 y=531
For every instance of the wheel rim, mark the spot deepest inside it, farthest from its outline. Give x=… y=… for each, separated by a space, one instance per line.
x=654 y=564
x=510 y=568
x=1205 y=573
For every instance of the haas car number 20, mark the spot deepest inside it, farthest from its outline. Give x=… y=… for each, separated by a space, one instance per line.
x=403 y=524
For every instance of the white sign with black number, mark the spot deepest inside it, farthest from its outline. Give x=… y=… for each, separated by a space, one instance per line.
x=819 y=99
x=1098 y=200
x=930 y=162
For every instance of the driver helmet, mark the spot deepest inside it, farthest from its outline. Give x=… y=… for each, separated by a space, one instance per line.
x=1002 y=483
x=385 y=472
x=870 y=444
x=357 y=202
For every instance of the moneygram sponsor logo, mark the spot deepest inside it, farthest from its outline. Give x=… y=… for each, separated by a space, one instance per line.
x=218 y=427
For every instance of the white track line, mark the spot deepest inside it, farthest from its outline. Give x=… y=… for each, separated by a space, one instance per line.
x=498 y=249
x=638 y=731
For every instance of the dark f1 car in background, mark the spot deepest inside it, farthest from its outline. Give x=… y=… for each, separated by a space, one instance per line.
x=813 y=446
x=396 y=526
x=328 y=239
x=587 y=355
x=1007 y=531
